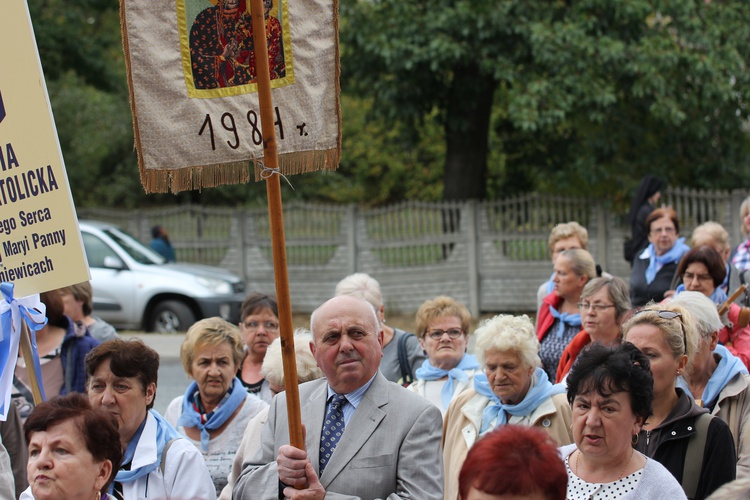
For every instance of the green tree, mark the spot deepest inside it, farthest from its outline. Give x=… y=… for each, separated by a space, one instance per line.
x=575 y=96
x=81 y=52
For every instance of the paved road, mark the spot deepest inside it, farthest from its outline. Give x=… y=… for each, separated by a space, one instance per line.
x=172 y=378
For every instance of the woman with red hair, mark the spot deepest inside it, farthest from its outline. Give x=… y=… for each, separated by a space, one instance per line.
x=529 y=467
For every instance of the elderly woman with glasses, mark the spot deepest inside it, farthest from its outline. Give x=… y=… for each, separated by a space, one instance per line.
x=259 y=326
x=655 y=267
x=443 y=331
x=695 y=447
x=604 y=304
x=513 y=389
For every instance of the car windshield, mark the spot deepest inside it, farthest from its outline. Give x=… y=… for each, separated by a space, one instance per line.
x=139 y=252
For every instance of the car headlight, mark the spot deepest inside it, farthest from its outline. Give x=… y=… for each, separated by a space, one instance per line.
x=216 y=285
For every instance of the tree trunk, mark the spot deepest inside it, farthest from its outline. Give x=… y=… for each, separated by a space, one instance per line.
x=467 y=133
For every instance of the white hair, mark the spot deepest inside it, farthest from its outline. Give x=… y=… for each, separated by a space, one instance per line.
x=307 y=368
x=505 y=332
x=363 y=286
x=703 y=310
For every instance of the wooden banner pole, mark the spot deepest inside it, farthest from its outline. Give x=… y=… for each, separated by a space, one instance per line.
x=276 y=216
x=28 y=358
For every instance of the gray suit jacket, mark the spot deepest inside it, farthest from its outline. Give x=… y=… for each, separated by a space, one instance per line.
x=390 y=449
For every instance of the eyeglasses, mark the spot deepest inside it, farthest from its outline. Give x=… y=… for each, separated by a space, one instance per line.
x=453 y=333
x=702 y=278
x=269 y=326
x=585 y=306
x=665 y=230
x=670 y=315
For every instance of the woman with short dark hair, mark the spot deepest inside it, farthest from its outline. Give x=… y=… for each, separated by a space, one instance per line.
x=158 y=462
x=259 y=326
x=74 y=450
x=611 y=392
x=702 y=270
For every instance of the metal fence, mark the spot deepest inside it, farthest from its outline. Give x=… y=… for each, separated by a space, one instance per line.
x=490 y=255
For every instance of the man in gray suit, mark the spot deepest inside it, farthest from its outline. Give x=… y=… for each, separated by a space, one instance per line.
x=390 y=444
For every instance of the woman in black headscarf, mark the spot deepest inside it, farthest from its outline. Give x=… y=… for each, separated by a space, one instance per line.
x=644 y=202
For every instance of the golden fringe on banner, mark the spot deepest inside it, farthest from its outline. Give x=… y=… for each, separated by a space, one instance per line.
x=185 y=179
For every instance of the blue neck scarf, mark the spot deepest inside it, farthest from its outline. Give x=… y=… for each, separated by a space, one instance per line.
x=565 y=319
x=429 y=372
x=164 y=433
x=729 y=366
x=718 y=296
x=655 y=263
x=192 y=410
x=538 y=393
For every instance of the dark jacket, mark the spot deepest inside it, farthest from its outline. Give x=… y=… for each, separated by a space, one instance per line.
x=640 y=291
x=668 y=444
x=639 y=233
x=76 y=345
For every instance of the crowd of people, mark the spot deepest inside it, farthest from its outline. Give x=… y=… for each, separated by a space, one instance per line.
x=616 y=390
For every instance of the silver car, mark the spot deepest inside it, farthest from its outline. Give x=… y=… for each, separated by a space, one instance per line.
x=134 y=288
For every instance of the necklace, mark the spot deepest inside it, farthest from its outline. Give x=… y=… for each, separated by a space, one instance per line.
x=622 y=472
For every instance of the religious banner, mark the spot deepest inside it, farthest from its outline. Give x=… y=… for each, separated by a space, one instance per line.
x=193 y=89
x=40 y=244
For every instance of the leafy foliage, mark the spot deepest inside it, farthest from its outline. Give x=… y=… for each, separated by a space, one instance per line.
x=458 y=99
x=590 y=95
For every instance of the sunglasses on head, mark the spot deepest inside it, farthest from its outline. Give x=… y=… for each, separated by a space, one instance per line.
x=670 y=315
